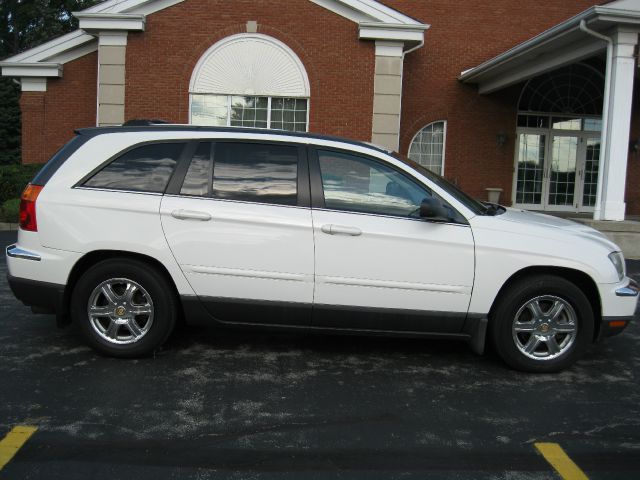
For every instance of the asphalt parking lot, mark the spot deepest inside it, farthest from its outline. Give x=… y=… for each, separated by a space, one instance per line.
x=219 y=404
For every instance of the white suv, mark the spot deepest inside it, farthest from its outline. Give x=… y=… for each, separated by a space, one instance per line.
x=127 y=230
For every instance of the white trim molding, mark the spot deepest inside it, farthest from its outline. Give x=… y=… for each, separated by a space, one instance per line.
x=114 y=38
x=98 y=22
x=23 y=69
x=396 y=32
x=33 y=84
x=51 y=49
x=366 y=11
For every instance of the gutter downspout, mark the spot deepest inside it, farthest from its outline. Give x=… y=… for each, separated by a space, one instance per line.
x=597 y=214
x=404 y=53
x=419 y=45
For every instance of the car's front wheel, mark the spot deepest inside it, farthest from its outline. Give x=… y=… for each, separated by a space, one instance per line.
x=542 y=324
x=125 y=308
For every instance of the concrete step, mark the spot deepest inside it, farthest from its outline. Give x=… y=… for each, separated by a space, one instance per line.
x=626 y=234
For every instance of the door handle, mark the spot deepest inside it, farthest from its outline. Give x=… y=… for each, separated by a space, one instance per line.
x=190 y=215
x=340 y=230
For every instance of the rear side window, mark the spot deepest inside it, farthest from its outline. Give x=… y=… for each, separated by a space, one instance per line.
x=250 y=172
x=147 y=168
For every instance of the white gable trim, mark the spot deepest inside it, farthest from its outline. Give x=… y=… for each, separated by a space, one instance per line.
x=53 y=47
x=144 y=7
x=366 y=11
x=375 y=20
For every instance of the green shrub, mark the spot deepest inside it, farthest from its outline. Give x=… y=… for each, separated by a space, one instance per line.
x=13 y=179
x=10 y=210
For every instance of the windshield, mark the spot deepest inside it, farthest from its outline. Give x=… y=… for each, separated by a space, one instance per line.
x=471 y=203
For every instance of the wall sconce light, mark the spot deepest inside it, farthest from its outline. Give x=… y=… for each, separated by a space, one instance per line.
x=501 y=139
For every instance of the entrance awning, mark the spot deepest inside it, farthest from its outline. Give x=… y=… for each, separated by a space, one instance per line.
x=561 y=45
x=612 y=28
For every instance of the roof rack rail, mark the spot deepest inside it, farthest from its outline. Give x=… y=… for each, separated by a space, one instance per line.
x=141 y=122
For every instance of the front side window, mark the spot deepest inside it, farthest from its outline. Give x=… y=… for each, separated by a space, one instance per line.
x=427 y=147
x=147 y=168
x=250 y=111
x=251 y=172
x=359 y=184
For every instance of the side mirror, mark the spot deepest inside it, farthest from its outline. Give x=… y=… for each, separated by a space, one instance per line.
x=432 y=209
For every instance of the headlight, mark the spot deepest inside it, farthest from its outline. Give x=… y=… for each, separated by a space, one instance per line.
x=618 y=262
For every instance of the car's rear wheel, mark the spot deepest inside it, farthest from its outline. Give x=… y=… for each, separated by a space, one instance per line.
x=125 y=308
x=542 y=324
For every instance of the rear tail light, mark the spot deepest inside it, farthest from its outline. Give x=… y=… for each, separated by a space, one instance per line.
x=28 y=208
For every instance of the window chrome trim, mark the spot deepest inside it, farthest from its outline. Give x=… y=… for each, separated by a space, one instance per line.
x=200 y=197
x=16 y=252
x=102 y=189
x=394 y=217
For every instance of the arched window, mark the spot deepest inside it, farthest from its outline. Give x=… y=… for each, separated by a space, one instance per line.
x=250 y=80
x=427 y=147
x=576 y=89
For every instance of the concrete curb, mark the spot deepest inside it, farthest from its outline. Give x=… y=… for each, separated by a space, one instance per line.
x=8 y=227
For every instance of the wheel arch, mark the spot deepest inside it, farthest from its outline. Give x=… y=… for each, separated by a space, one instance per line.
x=92 y=258
x=582 y=280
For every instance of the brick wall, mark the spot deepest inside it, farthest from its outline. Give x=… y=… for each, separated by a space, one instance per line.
x=160 y=61
x=49 y=118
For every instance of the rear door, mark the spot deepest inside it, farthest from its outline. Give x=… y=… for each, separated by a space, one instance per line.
x=378 y=265
x=238 y=222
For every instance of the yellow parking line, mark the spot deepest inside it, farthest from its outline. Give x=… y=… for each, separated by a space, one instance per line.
x=556 y=456
x=14 y=440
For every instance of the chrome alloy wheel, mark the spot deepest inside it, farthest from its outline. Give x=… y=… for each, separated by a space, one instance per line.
x=120 y=311
x=545 y=327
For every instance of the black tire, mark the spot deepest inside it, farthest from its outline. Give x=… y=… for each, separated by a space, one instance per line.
x=542 y=293
x=137 y=287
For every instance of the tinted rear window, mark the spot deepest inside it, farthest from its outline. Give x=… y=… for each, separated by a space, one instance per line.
x=147 y=168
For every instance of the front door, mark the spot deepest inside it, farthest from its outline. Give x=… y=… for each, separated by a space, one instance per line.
x=557 y=170
x=378 y=265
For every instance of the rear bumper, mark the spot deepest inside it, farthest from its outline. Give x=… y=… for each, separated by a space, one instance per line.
x=43 y=297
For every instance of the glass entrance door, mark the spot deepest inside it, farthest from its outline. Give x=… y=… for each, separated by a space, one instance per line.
x=557 y=161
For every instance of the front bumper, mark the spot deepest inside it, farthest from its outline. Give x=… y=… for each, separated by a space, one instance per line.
x=625 y=297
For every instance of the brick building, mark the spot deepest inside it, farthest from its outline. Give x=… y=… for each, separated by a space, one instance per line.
x=532 y=101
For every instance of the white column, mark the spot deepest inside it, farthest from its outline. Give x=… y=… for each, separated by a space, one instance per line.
x=613 y=163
